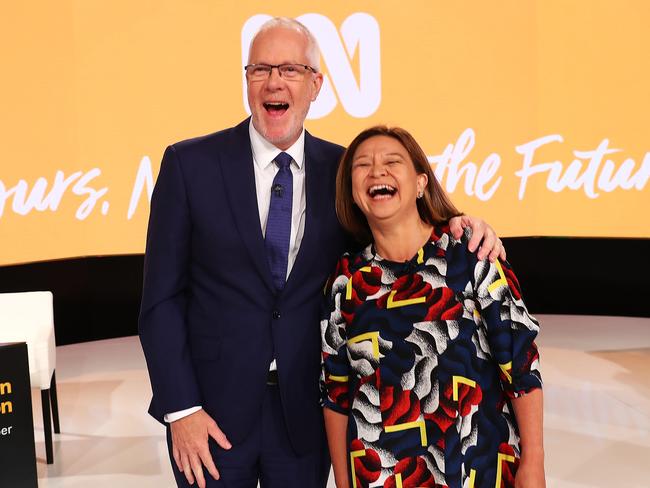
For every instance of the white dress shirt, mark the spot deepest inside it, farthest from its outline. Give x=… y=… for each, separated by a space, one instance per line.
x=264 y=154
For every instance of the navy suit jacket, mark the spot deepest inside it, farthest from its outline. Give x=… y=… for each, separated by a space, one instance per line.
x=210 y=320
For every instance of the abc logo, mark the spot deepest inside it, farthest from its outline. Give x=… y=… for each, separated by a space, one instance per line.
x=358 y=36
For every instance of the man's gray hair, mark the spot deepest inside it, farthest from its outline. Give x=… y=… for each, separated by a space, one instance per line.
x=313 y=51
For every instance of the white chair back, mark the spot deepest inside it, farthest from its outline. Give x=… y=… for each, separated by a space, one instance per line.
x=29 y=317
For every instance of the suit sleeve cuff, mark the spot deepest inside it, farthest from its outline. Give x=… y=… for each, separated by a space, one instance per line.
x=174 y=416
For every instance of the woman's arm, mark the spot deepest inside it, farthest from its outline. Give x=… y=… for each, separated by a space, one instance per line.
x=511 y=333
x=335 y=373
x=336 y=425
x=529 y=414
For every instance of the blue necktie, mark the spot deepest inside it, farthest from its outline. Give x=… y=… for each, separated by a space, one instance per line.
x=278 y=224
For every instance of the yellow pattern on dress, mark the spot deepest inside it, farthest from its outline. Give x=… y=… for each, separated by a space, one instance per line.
x=416 y=424
x=402 y=303
x=348 y=286
x=373 y=336
x=502 y=278
x=456 y=380
x=500 y=458
x=353 y=455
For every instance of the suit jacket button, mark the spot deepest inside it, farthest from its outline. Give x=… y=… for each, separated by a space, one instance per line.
x=276 y=314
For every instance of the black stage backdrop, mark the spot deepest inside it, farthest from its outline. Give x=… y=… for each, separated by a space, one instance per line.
x=98 y=297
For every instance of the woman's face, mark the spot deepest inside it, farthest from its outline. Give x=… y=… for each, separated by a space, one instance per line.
x=384 y=181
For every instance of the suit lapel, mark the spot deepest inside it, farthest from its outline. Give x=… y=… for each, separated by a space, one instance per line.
x=315 y=183
x=239 y=176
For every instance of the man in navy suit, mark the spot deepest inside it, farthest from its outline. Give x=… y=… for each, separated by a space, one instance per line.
x=233 y=281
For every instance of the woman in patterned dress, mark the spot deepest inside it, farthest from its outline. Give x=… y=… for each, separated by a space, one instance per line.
x=430 y=373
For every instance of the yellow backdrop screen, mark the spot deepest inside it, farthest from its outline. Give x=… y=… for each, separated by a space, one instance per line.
x=535 y=114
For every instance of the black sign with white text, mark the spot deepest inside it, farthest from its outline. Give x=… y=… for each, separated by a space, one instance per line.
x=17 y=450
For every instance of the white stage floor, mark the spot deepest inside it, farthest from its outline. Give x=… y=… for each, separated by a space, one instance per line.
x=597 y=410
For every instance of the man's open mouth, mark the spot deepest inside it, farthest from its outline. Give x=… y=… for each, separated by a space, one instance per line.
x=276 y=108
x=381 y=191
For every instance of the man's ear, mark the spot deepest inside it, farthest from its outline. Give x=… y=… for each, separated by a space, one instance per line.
x=317 y=83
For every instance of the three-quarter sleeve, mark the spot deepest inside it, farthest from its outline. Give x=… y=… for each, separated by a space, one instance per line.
x=509 y=328
x=335 y=364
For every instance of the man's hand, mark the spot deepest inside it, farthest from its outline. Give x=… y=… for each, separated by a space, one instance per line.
x=190 y=445
x=491 y=247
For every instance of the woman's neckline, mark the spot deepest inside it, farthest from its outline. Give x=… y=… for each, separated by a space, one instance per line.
x=376 y=256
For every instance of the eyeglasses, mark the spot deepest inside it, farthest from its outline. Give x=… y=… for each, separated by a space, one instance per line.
x=291 y=72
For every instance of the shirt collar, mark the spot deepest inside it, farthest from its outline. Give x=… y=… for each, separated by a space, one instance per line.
x=264 y=152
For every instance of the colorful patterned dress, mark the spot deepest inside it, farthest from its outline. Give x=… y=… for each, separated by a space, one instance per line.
x=424 y=357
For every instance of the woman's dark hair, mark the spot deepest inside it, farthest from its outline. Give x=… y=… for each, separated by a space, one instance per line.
x=434 y=207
